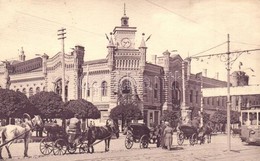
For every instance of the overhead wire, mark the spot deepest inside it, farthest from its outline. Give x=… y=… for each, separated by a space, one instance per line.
x=45 y=19
x=238 y=42
x=209 y=49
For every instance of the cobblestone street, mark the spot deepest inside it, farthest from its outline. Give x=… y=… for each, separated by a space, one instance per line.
x=214 y=151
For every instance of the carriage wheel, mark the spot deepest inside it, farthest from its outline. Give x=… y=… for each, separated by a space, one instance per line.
x=144 y=142
x=72 y=147
x=60 y=147
x=129 y=141
x=83 y=148
x=46 y=146
x=193 y=139
x=180 y=138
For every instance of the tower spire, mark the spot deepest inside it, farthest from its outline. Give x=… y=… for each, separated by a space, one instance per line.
x=124 y=10
x=124 y=19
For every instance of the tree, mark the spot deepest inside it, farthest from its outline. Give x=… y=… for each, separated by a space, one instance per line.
x=49 y=104
x=221 y=117
x=126 y=113
x=14 y=104
x=206 y=117
x=83 y=108
x=173 y=117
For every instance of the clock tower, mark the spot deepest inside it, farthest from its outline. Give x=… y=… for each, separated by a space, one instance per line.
x=124 y=35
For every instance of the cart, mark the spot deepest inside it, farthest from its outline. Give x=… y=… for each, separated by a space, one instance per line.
x=56 y=141
x=139 y=133
x=187 y=132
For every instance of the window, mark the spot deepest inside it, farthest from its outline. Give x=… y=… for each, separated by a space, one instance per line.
x=95 y=89
x=213 y=100
x=191 y=96
x=126 y=86
x=208 y=101
x=156 y=91
x=38 y=90
x=175 y=93
x=218 y=102
x=30 y=92
x=146 y=84
x=88 y=90
x=24 y=91
x=197 y=97
x=104 y=88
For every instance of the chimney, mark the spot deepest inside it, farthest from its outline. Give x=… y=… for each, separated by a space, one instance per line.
x=154 y=57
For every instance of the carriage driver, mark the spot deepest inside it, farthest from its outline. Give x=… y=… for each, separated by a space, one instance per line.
x=74 y=129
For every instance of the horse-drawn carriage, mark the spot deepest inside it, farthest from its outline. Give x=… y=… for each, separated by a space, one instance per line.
x=139 y=133
x=57 y=141
x=187 y=132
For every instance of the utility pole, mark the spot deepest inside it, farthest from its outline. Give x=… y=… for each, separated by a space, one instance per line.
x=228 y=94
x=61 y=33
x=229 y=63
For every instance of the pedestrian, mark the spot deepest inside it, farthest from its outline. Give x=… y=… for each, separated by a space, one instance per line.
x=168 y=132
x=162 y=127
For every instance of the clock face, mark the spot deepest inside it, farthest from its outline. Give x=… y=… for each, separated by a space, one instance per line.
x=125 y=42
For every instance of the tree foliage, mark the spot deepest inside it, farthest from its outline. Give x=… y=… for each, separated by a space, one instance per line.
x=81 y=107
x=221 y=117
x=173 y=117
x=49 y=104
x=14 y=104
x=206 y=117
x=126 y=112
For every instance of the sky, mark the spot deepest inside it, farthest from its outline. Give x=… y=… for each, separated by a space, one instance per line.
x=190 y=27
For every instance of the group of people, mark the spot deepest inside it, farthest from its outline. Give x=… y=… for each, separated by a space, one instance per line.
x=166 y=132
x=165 y=135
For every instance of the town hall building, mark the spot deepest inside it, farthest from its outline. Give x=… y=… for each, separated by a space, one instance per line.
x=124 y=75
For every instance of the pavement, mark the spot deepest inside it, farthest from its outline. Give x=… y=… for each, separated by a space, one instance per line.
x=217 y=150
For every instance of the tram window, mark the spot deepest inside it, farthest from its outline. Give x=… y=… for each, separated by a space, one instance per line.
x=244 y=118
x=252 y=118
x=258 y=118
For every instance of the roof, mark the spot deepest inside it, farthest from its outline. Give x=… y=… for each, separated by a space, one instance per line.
x=95 y=61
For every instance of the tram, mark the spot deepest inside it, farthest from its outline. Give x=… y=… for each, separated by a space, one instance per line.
x=250 y=128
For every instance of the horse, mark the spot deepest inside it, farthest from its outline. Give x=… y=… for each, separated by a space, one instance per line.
x=9 y=133
x=205 y=130
x=101 y=133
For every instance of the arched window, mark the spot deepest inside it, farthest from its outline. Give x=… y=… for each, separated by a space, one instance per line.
x=88 y=90
x=44 y=89
x=104 y=88
x=146 y=84
x=95 y=89
x=17 y=90
x=58 y=87
x=66 y=93
x=30 y=92
x=38 y=90
x=126 y=87
x=175 y=94
x=156 y=91
x=191 y=96
x=24 y=91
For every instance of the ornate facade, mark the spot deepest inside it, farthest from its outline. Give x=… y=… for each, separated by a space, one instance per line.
x=124 y=75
